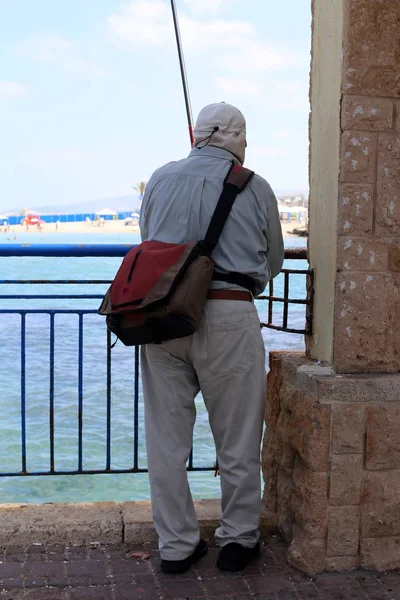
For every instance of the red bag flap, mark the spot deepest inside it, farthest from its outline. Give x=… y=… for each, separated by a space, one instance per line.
x=141 y=269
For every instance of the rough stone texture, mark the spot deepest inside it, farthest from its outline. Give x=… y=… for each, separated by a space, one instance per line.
x=346 y=476
x=358 y=156
x=307 y=425
x=348 y=428
x=284 y=504
x=343 y=531
x=305 y=553
x=381 y=504
x=341 y=564
x=397 y=114
x=356 y=209
x=138 y=522
x=388 y=186
x=380 y=554
x=370 y=161
x=366 y=321
x=362 y=254
x=371 y=53
x=327 y=516
x=270 y=470
x=309 y=501
x=55 y=523
x=383 y=437
x=272 y=410
x=394 y=258
x=366 y=113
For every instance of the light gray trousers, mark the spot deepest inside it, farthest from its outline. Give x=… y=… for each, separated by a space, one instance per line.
x=225 y=359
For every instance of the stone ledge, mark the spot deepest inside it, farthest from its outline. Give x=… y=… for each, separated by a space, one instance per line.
x=105 y=522
x=320 y=381
x=67 y=523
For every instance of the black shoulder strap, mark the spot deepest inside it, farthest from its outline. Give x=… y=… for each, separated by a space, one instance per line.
x=235 y=182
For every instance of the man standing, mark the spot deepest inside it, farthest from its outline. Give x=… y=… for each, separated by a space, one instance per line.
x=224 y=359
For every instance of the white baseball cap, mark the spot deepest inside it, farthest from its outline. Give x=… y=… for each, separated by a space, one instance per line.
x=225 y=126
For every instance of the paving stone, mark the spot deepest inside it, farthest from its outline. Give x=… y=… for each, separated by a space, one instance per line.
x=41 y=557
x=87 y=572
x=10 y=569
x=90 y=593
x=328 y=581
x=12 y=594
x=227 y=586
x=131 y=567
x=185 y=588
x=10 y=550
x=308 y=591
x=12 y=584
x=36 y=549
x=137 y=592
x=239 y=597
x=46 y=594
x=51 y=573
x=270 y=584
x=39 y=594
x=112 y=574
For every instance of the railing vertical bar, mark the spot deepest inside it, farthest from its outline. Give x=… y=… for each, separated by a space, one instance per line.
x=270 y=302
x=80 y=392
x=51 y=416
x=108 y=459
x=286 y=296
x=23 y=390
x=191 y=459
x=136 y=411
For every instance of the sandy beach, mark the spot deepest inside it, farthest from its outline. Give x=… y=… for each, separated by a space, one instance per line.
x=108 y=227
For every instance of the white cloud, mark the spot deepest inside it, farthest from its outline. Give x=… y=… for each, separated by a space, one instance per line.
x=207 y=6
x=254 y=153
x=11 y=89
x=280 y=135
x=144 y=22
x=238 y=86
x=231 y=44
x=46 y=159
x=56 y=50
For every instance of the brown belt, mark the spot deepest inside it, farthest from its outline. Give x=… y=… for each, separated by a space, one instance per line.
x=230 y=295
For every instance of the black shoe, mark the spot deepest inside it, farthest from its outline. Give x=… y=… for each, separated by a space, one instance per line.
x=175 y=567
x=235 y=557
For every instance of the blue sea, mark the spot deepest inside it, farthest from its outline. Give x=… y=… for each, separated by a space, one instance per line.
x=81 y=488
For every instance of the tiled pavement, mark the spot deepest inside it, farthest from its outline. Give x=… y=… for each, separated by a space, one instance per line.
x=99 y=572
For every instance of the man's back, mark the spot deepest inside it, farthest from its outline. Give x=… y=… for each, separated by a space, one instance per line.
x=179 y=202
x=224 y=358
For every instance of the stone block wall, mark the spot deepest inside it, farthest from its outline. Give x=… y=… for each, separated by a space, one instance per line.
x=331 y=465
x=367 y=313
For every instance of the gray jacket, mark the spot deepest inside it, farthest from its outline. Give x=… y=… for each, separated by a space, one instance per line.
x=180 y=199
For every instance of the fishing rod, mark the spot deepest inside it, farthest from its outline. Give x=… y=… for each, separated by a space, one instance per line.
x=183 y=73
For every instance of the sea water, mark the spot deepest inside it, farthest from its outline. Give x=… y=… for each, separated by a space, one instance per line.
x=81 y=488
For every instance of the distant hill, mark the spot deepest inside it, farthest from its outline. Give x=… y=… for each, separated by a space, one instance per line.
x=119 y=204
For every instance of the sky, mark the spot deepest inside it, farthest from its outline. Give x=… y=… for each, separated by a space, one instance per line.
x=91 y=100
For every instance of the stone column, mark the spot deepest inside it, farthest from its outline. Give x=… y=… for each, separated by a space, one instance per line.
x=331 y=456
